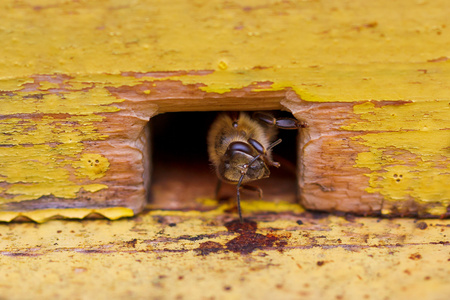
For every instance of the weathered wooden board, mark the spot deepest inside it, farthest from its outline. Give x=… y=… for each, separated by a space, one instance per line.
x=192 y=255
x=357 y=157
x=79 y=82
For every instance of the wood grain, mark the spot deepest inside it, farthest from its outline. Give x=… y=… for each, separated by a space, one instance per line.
x=80 y=81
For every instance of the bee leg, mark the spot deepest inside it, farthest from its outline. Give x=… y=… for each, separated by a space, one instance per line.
x=238 y=198
x=253 y=188
x=263 y=152
x=282 y=123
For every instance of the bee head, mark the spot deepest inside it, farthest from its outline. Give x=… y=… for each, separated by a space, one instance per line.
x=236 y=162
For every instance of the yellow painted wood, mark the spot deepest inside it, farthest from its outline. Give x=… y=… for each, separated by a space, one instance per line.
x=157 y=256
x=328 y=50
x=43 y=215
x=408 y=151
x=336 y=51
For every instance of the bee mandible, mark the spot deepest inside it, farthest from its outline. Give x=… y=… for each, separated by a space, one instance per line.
x=240 y=148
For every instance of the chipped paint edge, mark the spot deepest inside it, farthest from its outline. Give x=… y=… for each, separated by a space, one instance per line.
x=43 y=215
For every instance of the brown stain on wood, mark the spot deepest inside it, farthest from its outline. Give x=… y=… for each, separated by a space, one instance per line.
x=209 y=247
x=247 y=240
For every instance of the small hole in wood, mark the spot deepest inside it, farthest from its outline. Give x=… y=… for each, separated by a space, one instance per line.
x=182 y=176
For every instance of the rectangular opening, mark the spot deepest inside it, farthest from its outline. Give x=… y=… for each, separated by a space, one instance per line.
x=182 y=176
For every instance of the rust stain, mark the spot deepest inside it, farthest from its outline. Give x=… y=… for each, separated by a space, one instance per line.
x=209 y=247
x=248 y=240
x=415 y=256
x=422 y=225
x=238 y=227
x=131 y=243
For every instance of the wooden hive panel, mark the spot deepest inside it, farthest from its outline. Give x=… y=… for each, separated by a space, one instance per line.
x=80 y=81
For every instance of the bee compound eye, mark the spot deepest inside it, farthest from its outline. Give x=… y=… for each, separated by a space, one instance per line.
x=239 y=147
x=257 y=145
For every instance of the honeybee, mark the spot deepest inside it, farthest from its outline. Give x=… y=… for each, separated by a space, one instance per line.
x=240 y=148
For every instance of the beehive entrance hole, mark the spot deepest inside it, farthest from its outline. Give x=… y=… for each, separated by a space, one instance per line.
x=182 y=177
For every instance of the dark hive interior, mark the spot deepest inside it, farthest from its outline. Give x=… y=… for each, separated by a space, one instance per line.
x=181 y=172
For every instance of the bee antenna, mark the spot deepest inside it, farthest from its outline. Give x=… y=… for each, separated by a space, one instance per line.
x=277 y=142
x=238 y=198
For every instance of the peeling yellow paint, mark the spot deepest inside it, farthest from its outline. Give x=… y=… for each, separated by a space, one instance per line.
x=334 y=51
x=45 y=85
x=71 y=52
x=222 y=65
x=252 y=206
x=91 y=165
x=95 y=100
x=39 y=150
x=280 y=206
x=40 y=130
x=94 y=187
x=43 y=215
x=14 y=84
x=408 y=150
